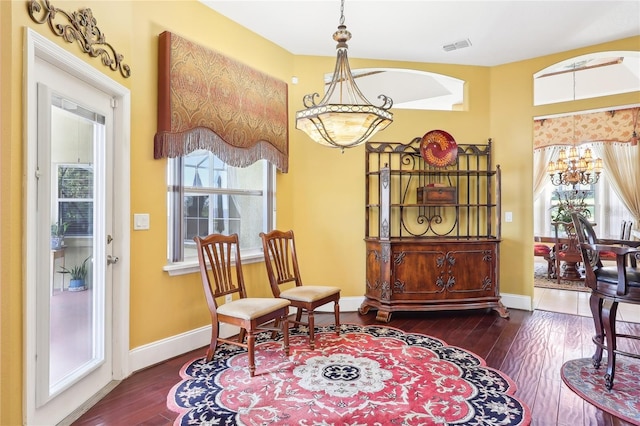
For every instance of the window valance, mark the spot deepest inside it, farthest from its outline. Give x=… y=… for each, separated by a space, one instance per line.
x=209 y=101
x=604 y=126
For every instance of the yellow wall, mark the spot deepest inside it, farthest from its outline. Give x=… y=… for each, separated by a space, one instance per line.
x=512 y=114
x=321 y=197
x=327 y=186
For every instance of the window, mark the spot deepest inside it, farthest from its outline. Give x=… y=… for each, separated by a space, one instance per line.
x=588 y=76
x=605 y=207
x=75 y=199
x=581 y=198
x=410 y=89
x=207 y=196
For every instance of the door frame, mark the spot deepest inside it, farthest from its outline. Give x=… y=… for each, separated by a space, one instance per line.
x=36 y=45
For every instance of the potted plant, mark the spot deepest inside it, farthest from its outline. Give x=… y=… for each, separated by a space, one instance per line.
x=58 y=230
x=78 y=274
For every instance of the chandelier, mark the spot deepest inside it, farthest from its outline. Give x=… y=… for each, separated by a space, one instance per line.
x=574 y=168
x=344 y=117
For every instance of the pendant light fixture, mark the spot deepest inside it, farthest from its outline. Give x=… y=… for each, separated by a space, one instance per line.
x=575 y=168
x=344 y=118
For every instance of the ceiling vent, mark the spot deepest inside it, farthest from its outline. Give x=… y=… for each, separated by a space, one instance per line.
x=457 y=45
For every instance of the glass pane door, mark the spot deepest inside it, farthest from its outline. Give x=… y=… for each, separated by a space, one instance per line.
x=74 y=343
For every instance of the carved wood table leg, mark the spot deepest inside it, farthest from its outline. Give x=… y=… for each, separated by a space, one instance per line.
x=569 y=271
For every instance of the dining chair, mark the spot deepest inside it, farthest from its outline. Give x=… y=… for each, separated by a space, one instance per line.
x=566 y=252
x=284 y=276
x=545 y=251
x=610 y=284
x=216 y=256
x=625 y=234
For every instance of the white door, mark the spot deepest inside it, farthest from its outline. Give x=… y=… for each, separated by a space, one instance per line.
x=70 y=351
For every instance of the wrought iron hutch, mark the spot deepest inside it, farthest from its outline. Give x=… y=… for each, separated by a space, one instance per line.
x=432 y=234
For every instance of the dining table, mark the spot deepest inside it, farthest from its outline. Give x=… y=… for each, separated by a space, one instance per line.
x=567 y=255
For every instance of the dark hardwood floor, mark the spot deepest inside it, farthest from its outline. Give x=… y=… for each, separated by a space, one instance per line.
x=529 y=346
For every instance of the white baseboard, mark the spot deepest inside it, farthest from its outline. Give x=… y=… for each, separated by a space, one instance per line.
x=516 y=301
x=161 y=350
x=347 y=304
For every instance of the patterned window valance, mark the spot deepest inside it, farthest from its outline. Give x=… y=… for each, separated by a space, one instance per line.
x=209 y=101
x=604 y=126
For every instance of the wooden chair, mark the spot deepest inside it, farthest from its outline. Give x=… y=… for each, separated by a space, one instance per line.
x=610 y=284
x=625 y=234
x=566 y=252
x=215 y=254
x=282 y=268
x=543 y=250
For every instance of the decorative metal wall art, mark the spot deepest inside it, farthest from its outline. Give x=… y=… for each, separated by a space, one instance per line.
x=82 y=27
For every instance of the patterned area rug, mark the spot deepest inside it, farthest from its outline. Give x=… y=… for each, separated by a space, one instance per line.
x=623 y=401
x=540 y=280
x=368 y=375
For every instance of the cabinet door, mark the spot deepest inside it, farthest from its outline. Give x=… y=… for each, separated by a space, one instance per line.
x=473 y=272
x=443 y=272
x=378 y=271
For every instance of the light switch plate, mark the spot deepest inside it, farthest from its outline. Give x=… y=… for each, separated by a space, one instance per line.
x=141 y=221
x=508 y=216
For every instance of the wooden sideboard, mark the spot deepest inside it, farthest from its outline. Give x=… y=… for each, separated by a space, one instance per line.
x=432 y=234
x=434 y=275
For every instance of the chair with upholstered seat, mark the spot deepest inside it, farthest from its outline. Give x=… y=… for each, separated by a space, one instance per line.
x=625 y=234
x=546 y=252
x=216 y=254
x=610 y=284
x=284 y=276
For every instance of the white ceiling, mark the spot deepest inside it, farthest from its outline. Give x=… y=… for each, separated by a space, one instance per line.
x=499 y=31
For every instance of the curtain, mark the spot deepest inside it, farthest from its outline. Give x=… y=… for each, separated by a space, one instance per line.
x=209 y=101
x=622 y=165
x=604 y=126
x=541 y=158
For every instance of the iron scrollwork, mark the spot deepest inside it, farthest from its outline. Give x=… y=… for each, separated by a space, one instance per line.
x=384 y=229
x=82 y=27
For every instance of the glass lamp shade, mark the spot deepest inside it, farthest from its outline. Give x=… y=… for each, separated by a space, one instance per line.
x=582 y=164
x=344 y=117
x=598 y=167
x=342 y=125
x=573 y=153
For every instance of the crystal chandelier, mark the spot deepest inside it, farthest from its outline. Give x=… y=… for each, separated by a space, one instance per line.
x=344 y=117
x=574 y=168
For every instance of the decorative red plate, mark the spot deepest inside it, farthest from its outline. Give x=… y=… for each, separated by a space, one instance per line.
x=438 y=148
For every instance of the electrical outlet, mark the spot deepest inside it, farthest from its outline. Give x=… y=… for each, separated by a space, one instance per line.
x=227 y=298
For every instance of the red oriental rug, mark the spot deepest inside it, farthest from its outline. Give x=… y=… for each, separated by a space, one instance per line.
x=368 y=375
x=622 y=401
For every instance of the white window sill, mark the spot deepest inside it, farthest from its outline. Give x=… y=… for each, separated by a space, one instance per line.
x=192 y=266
